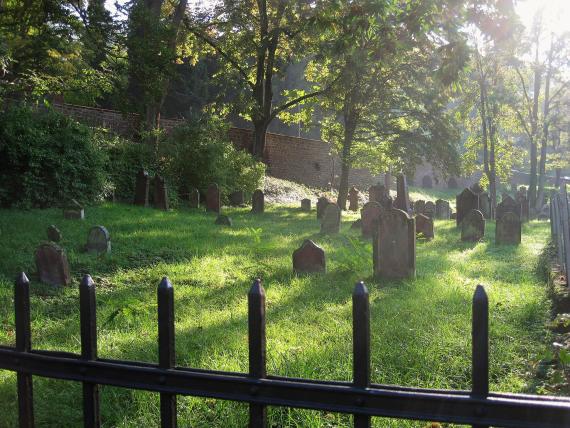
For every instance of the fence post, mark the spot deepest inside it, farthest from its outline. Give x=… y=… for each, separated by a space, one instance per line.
x=23 y=344
x=88 y=321
x=257 y=348
x=166 y=349
x=480 y=348
x=361 y=345
x=565 y=230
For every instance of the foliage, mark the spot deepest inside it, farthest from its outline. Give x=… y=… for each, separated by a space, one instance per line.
x=47 y=159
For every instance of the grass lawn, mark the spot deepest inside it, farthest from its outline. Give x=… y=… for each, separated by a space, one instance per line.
x=420 y=329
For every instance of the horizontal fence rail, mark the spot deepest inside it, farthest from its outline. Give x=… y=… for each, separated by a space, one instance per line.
x=363 y=399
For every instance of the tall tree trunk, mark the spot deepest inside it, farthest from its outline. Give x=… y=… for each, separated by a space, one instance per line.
x=534 y=125
x=259 y=137
x=350 y=120
x=484 y=120
x=492 y=164
x=545 y=126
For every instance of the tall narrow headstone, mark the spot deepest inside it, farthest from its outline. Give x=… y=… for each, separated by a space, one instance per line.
x=309 y=258
x=394 y=245
x=473 y=226
x=142 y=187
x=465 y=202
x=353 y=199
x=402 y=201
x=330 y=222
x=508 y=230
x=322 y=203
x=213 y=202
x=508 y=205
x=370 y=215
x=52 y=265
x=424 y=226
x=306 y=205
x=429 y=209
x=160 y=193
x=194 y=198
x=98 y=240
x=442 y=210
x=258 y=202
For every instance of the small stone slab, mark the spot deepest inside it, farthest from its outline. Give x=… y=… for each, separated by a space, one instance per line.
x=258 y=202
x=309 y=258
x=508 y=229
x=194 y=198
x=237 y=198
x=424 y=226
x=98 y=240
x=330 y=222
x=429 y=209
x=353 y=194
x=376 y=193
x=52 y=265
x=322 y=203
x=369 y=216
x=394 y=246
x=473 y=226
x=224 y=220
x=74 y=211
x=53 y=233
x=442 y=210
x=142 y=187
x=213 y=202
x=160 y=193
x=305 y=205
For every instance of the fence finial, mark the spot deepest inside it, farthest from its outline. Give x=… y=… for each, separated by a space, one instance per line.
x=480 y=343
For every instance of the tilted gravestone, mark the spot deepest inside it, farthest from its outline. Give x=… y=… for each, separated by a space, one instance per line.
x=370 y=214
x=429 y=209
x=330 y=222
x=353 y=199
x=258 y=202
x=394 y=245
x=160 y=193
x=53 y=234
x=309 y=258
x=52 y=265
x=194 y=198
x=424 y=226
x=508 y=205
x=223 y=220
x=473 y=226
x=322 y=203
x=74 y=211
x=305 y=205
x=98 y=240
x=237 y=198
x=142 y=187
x=465 y=202
x=442 y=210
x=213 y=198
x=508 y=229
x=419 y=206
x=485 y=204
x=376 y=193
x=402 y=201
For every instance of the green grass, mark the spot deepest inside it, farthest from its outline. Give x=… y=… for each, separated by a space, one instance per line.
x=420 y=328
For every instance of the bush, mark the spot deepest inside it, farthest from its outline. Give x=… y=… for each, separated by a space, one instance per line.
x=46 y=159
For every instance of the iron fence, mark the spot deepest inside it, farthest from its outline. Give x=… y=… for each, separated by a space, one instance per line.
x=560 y=227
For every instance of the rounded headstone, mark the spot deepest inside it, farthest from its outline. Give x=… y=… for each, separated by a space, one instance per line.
x=99 y=240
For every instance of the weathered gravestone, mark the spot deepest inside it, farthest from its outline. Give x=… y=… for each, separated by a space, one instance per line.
x=330 y=222
x=305 y=205
x=522 y=199
x=508 y=229
x=376 y=193
x=309 y=258
x=237 y=198
x=424 y=226
x=370 y=214
x=223 y=220
x=160 y=193
x=429 y=209
x=258 y=202
x=194 y=198
x=485 y=204
x=353 y=199
x=213 y=198
x=52 y=265
x=142 y=187
x=465 y=202
x=53 y=234
x=402 y=201
x=394 y=245
x=508 y=205
x=473 y=226
x=98 y=240
x=442 y=210
x=419 y=206
x=74 y=210
x=322 y=203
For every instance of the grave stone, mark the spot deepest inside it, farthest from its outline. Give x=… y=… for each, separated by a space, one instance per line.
x=213 y=198
x=427 y=182
x=473 y=226
x=305 y=205
x=353 y=199
x=322 y=203
x=52 y=265
x=142 y=187
x=98 y=240
x=394 y=245
x=160 y=193
x=330 y=222
x=507 y=205
x=485 y=204
x=522 y=199
x=376 y=193
x=194 y=198
x=224 y=220
x=442 y=210
x=424 y=226
x=258 y=202
x=74 y=211
x=53 y=233
x=465 y=202
x=370 y=215
x=402 y=201
x=237 y=198
x=508 y=230
x=309 y=258
x=429 y=209
x=419 y=206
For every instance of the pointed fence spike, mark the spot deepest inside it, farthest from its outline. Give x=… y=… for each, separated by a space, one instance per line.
x=361 y=344
x=480 y=346
x=257 y=348
x=166 y=348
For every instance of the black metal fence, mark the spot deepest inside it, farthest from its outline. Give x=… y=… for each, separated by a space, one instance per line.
x=560 y=226
x=478 y=407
